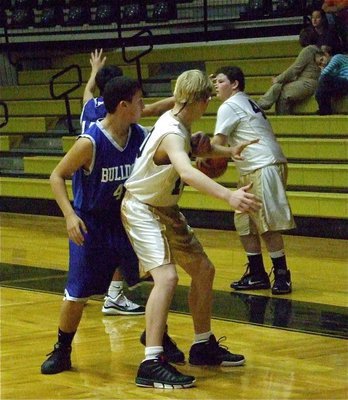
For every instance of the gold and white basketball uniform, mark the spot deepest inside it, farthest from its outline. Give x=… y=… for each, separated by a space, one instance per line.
x=240 y=119
x=156 y=228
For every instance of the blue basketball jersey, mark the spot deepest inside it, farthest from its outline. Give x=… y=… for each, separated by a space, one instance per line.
x=93 y=110
x=101 y=189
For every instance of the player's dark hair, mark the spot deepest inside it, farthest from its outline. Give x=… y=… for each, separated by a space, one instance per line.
x=105 y=74
x=119 y=89
x=233 y=74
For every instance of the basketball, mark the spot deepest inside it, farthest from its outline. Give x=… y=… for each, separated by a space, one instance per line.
x=212 y=167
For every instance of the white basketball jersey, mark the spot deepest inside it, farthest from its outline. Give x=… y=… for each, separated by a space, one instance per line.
x=241 y=119
x=158 y=185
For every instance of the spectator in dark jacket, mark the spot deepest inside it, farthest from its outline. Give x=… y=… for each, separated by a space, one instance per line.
x=327 y=35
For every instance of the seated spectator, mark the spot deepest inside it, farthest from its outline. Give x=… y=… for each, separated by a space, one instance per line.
x=296 y=83
x=327 y=35
x=337 y=10
x=333 y=79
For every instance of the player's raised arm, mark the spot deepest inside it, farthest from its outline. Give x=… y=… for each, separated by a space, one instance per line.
x=97 y=61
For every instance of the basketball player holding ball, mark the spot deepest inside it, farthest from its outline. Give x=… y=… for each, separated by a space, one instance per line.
x=239 y=119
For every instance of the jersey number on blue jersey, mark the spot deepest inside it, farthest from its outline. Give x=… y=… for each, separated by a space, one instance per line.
x=118 y=193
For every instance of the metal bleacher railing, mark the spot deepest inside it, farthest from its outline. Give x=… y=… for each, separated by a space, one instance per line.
x=4 y=114
x=65 y=95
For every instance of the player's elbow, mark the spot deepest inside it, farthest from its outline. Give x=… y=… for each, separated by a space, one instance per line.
x=54 y=178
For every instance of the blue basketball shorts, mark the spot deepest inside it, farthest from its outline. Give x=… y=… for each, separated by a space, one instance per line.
x=92 y=265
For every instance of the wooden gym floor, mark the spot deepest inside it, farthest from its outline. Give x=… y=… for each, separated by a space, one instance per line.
x=295 y=345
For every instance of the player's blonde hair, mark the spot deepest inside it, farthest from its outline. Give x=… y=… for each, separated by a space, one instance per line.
x=192 y=86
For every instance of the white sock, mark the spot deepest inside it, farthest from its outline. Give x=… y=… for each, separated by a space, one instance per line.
x=152 y=352
x=202 y=337
x=115 y=288
x=277 y=254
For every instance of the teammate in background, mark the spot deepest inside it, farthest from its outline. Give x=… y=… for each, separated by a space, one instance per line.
x=239 y=119
x=333 y=81
x=99 y=162
x=94 y=109
x=161 y=236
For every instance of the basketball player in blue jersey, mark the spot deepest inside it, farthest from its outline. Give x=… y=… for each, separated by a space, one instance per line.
x=239 y=119
x=99 y=163
x=93 y=110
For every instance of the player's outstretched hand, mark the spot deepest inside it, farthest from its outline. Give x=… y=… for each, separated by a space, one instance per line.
x=243 y=201
x=76 y=228
x=97 y=60
x=200 y=143
x=237 y=150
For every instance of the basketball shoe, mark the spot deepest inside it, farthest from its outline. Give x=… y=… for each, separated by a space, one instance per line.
x=251 y=281
x=212 y=353
x=121 y=305
x=171 y=351
x=282 y=281
x=58 y=361
x=159 y=374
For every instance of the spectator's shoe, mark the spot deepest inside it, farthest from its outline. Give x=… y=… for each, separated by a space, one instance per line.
x=282 y=282
x=212 y=353
x=141 y=281
x=121 y=305
x=171 y=351
x=58 y=360
x=252 y=281
x=159 y=374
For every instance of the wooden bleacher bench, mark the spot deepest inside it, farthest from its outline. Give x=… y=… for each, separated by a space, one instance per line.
x=7 y=142
x=28 y=125
x=256 y=67
x=37 y=92
x=309 y=175
x=42 y=76
x=308 y=204
x=287 y=125
x=305 y=148
x=43 y=107
x=199 y=52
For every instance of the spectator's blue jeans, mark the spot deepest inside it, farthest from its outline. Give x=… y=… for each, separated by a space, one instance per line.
x=328 y=88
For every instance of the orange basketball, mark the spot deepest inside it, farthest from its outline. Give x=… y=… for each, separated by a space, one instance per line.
x=212 y=167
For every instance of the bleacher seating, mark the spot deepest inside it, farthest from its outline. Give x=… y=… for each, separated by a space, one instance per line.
x=317 y=147
x=89 y=19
